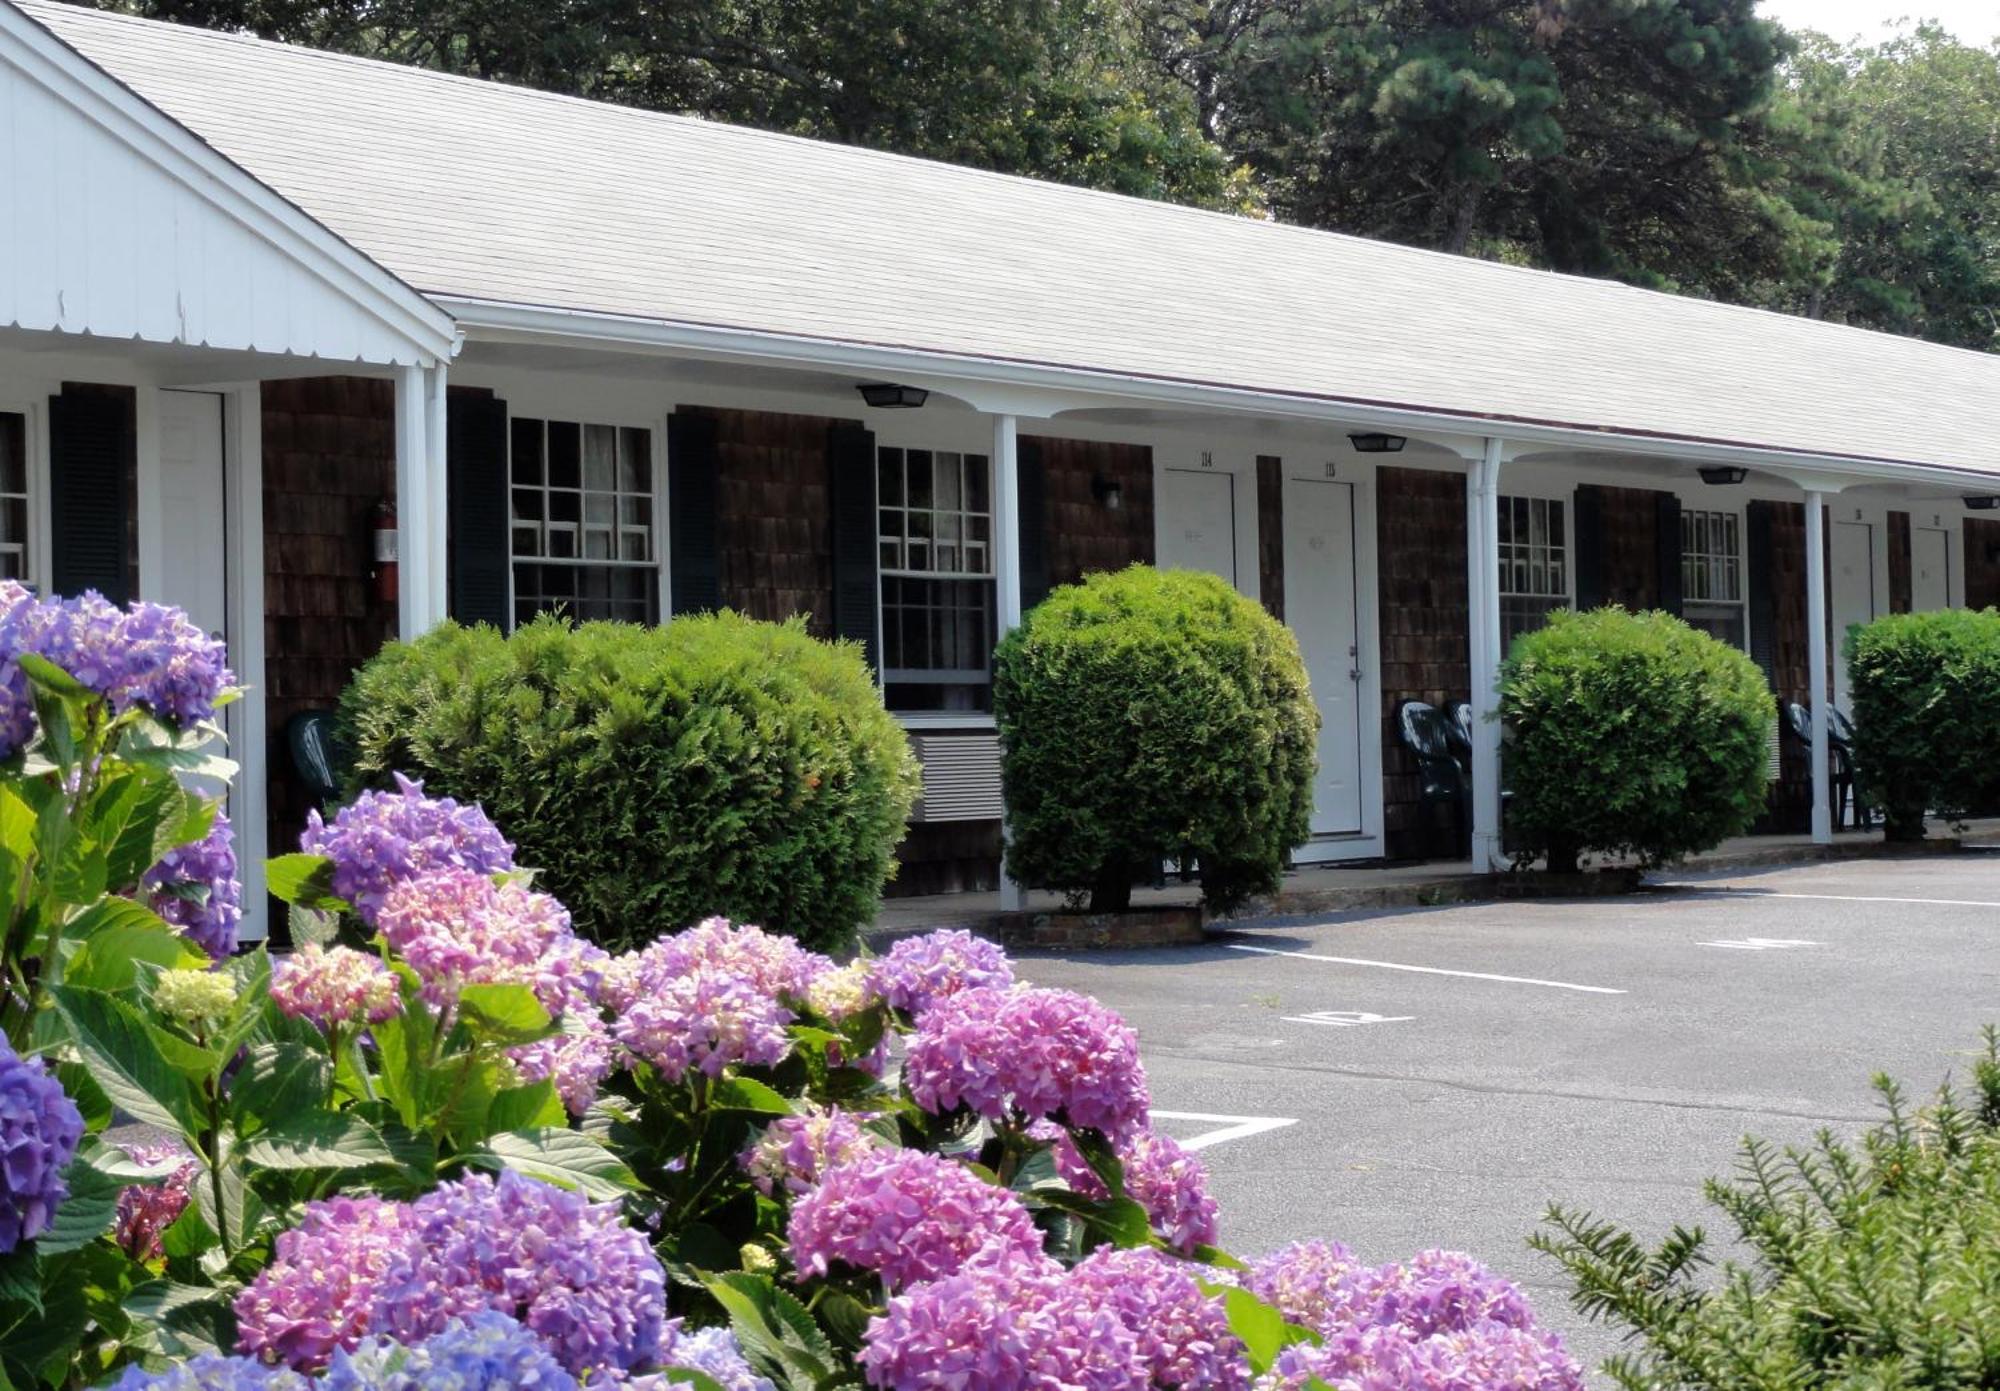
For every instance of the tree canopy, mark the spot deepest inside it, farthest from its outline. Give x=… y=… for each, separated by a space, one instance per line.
x=1686 y=145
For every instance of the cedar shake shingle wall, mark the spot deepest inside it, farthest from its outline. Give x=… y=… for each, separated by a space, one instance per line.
x=1900 y=594
x=1084 y=535
x=773 y=529
x=1271 y=533
x=1629 y=521
x=1420 y=529
x=1982 y=563
x=329 y=457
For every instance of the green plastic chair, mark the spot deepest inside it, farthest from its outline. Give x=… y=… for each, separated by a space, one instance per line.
x=317 y=757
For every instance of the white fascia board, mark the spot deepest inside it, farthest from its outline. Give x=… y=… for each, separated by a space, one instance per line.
x=1032 y=388
x=48 y=61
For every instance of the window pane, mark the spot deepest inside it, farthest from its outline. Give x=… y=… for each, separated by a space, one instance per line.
x=526 y=440
x=947 y=474
x=565 y=466
x=976 y=471
x=600 y=458
x=635 y=460
x=919 y=474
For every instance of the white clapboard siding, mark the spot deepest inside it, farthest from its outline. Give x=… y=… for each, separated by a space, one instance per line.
x=961 y=777
x=110 y=225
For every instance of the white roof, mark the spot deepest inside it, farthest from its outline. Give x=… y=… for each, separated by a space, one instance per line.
x=476 y=190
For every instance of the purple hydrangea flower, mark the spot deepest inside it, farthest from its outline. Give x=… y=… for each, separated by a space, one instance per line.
x=145 y=1210
x=195 y=889
x=577 y=1061
x=456 y=927
x=20 y=613
x=569 y=1269
x=1160 y=1176
x=169 y=667
x=1021 y=1055
x=40 y=1129
x=335 y=987
x=322 y=1289
x=794 y=1151
x=1005 y=1322
x=487 y=1352
x=1183 y=1334
x=918 y=972
x=773 y=965
x=1307 y=1282
x=907 y=1216
x=708 y=997
x=212 y=1372
x=382 y=838
x=1490 y=1357
x=712 y=1351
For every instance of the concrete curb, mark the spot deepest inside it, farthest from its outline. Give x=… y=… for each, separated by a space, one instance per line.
x=1033 y=929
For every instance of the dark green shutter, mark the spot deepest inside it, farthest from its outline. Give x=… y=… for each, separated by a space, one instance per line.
x=478 y=553
x=695 y=577
x=850 y=484
x=1032 y=488
x=1667 y=539
x=1589 y=510
x=1758 y=555
x=92 y=447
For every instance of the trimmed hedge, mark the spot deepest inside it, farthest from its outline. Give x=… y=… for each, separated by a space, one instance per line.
x=1632 y=734
x=656 y=776
x=1926 y=692
x=1150 y=715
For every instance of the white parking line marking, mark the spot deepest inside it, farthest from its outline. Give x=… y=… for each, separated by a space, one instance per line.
x=1233 y=1127
x=1430 y=970
x=1856 y=898
x=1761 y=943
x=1346 y=1018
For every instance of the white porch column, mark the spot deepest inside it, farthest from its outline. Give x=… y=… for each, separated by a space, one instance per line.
x=435 y=457
x=1007 y=575
x=1482 y=559
x=1822 y=780
x=414 y=540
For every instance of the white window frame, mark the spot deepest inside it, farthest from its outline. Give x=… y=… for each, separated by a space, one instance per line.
x=888 y=676
x=39 y=572
x=1566 y=499
x=1739 y=516
x=656 y=474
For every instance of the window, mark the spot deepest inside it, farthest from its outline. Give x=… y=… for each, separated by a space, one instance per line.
x=935 y=532
x=1712 y=574
x=1534 y=564
x=583 y=521
x=13 y=497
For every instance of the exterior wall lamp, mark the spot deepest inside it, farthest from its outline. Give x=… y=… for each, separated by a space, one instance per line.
x=891 y=396
x=1108 y=491
x=1982 y=503
x=1722 y=473
x=1375 y=442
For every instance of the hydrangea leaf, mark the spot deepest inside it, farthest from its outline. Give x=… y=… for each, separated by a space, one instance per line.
x=1261 y=1327
x=508 y=1015
x=85 y=1214
x=677 y=1377
x=561 y=1157
x=748 y=1094
x=277 y=1080
x=112 y=936
x=124 y=1057
x=319 y=1140
x=533 y=1107
x=306 y=880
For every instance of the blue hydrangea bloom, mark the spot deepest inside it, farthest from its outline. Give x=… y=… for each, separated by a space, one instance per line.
x=487 y=1352
x=40 y=1128
x=211 y=1372
x=714 y=1351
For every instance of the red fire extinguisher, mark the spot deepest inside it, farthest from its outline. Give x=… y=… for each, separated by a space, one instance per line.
x=384 y=525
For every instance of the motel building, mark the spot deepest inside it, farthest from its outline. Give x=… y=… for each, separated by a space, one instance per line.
x=255 y=300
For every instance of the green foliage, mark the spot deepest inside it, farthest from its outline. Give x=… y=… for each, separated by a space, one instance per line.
x=1926 y=692
x=1874 y=1264
x=1148 y=715
x=1630 y=733
x=656 y=776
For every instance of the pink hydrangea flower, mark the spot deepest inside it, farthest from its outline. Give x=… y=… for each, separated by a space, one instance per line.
x=1020 y=1055
x=334 y=987
x=907 y=1216
x=457 y=928
x=776 y=966
x=1489 y=1357
x=1007 y=1321
x=383 y=838
x=577 y=1061
x=145 y=1210
x=706 y=998
x=1163 y=1178
x=322 y=1289
x=1182 y=1333
x=794 y=1151
x=917 y=972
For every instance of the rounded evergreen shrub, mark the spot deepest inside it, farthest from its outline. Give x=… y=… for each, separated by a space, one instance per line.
x=656 y=776
x=1926 y=693
x=1149 y=715
x=1630 y=734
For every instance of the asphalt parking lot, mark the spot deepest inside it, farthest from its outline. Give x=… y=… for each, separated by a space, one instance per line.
x=1442 y=1074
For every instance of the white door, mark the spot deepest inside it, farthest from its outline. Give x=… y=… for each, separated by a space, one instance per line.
x=1853 y=559
x=194 y=572
x=1197 y=521
x=1319 y=606
x=1930 y=569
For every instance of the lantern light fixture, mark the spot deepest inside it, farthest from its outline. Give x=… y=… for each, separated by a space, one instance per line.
x=1723 y=474
x=1985 y=502
x=893 y=396
x=1375 y=442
